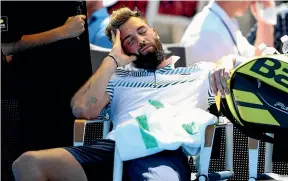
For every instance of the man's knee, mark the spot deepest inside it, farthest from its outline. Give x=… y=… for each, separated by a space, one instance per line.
x=51 y=164
x=26 y=158
x=27 y=161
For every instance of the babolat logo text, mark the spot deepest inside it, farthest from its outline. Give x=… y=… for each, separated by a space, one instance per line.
x=271 y=69
x=4 y=23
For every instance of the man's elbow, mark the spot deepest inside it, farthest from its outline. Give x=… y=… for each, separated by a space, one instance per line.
x=78 y=112
x=7 y=49
x=84 y=113
x=77 y=109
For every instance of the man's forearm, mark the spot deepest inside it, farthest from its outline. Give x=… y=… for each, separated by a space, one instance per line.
x=34 y=40
x=264 y=34
x=91 y=95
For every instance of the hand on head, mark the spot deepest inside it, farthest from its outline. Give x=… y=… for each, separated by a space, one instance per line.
x=117 y=51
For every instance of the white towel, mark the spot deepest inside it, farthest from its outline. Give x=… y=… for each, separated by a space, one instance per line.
x=157 y=126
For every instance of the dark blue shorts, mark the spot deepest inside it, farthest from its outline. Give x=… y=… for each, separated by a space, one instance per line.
x=97 y=162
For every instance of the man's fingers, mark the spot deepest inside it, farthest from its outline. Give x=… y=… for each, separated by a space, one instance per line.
x=269 y=3
x=226 y=76
x=113 y=36
x=213 y=84
x=224 y=83
x=82 y=22
x=117 y=37
x=83 y=17
x=253 y=8
x=218 y=82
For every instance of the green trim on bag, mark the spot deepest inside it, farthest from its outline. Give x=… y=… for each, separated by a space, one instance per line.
x=149 y=140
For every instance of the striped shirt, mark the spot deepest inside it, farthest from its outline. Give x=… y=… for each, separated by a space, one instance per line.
x=131 y=89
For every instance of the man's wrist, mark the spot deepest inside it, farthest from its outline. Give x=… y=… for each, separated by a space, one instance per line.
x=114 y=59
x=264 y=26
x=109 y=62
x=61 y=32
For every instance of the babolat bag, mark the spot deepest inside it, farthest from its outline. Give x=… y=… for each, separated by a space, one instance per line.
x=258 y=103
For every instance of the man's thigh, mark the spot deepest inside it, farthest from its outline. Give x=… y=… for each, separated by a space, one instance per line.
x=96 y=160
x=164 y=166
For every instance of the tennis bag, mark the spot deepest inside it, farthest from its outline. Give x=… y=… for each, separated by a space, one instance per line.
x=258 y=103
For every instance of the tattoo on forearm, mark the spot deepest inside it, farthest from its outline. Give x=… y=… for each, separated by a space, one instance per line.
x=91 y=100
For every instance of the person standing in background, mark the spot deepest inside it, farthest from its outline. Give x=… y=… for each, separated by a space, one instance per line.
x=48 y=49
x=214 y=32
x=281 y=29
x=98 y=18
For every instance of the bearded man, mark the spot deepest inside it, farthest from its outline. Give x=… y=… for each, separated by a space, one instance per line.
x=117 y=91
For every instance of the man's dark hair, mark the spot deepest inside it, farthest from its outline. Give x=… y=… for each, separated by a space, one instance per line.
x=119 y=17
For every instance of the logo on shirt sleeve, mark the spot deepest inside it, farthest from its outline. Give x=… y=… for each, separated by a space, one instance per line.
x=4 y=23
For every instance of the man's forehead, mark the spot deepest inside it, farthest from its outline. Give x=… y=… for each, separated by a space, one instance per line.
x=131 y=24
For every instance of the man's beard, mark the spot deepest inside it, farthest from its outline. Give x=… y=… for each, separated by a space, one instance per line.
x=152 y=59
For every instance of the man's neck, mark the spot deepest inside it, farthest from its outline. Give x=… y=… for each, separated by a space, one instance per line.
x=226 y=6
x=164 y=63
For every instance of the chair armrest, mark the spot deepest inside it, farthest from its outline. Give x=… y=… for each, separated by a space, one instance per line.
x=79 y=129
x=223 y=122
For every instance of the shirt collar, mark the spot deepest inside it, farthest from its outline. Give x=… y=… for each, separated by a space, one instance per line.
x=170 y=66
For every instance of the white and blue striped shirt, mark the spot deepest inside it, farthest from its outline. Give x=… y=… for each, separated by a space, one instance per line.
x=130 y=89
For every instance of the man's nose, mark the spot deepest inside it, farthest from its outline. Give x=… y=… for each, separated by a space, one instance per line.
x=141 y=41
